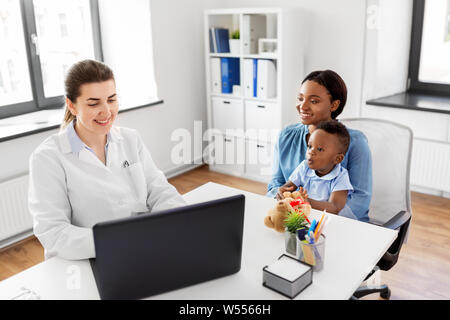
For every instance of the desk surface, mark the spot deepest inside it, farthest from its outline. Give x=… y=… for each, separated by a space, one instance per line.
x=351 y=251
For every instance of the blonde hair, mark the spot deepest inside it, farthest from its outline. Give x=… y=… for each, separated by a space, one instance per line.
x=85 y=71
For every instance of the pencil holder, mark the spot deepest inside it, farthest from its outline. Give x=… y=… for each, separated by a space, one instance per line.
x=290 y=242
x=312 y=253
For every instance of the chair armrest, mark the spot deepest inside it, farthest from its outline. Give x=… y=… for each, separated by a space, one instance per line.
x=398 y=220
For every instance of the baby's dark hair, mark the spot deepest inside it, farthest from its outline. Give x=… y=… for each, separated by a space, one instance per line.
x=338 y=129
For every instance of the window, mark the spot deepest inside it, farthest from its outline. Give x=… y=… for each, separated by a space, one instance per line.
x=40 y=40
x=447 y=23
x=429 y=69
x=128 y=50
x=14 y=73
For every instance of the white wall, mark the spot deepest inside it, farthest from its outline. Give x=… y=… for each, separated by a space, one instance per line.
x=14 y=154
x=177 y=29
x=388 y=33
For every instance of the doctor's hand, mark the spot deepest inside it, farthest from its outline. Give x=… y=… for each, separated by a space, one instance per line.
x=288 y=186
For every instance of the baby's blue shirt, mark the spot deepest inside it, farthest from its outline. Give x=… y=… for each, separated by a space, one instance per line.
x=320 y=188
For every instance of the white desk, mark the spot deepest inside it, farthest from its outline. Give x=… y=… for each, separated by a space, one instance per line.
x=351 y=251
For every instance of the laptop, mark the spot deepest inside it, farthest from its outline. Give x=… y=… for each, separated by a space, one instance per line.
x=156 y=252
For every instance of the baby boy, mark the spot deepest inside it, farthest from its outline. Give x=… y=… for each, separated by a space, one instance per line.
x=320 y=177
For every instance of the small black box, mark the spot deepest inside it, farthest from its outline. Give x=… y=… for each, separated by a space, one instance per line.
x=287 y=276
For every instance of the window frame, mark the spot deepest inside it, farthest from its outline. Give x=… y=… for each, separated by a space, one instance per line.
x=415 y=85
x=40 y=102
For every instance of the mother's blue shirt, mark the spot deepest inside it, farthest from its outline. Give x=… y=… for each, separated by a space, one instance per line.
x=290 y=150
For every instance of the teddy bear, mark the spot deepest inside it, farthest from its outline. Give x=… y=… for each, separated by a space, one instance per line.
x=275 y=217
x=298 y=201
x=291 y=202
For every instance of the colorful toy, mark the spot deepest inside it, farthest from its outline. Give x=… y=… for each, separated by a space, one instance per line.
x=292 y=202
x=298 y=202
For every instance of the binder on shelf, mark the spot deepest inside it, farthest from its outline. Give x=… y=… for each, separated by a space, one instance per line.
x=253 y=28
x=248 y=78
x=216 y=85
x=222 y=36
x=266 y=79
x=212 y=41
x=229 y=68
x=255 y=78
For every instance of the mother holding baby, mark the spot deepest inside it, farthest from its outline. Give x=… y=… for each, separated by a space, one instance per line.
x=322 y=97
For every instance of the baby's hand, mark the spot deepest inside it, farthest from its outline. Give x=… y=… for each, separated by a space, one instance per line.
x=288 y=186
x=303 y=193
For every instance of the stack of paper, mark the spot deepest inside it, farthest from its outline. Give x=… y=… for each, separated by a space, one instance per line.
x=288 y=268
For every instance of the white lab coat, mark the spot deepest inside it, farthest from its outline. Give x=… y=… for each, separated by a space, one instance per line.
x=70 y=192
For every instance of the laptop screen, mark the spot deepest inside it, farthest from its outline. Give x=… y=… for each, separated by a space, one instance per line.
x=152 y=253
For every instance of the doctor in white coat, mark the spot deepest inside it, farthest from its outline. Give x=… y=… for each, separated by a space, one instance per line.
x=91 y=171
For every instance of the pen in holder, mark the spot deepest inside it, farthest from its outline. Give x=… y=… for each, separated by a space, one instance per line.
x=312 y=253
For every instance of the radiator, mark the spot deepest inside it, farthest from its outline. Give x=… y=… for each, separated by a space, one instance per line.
x=430 y=165
x=15 y=218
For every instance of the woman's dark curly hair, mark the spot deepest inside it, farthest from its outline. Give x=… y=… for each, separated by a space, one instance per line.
x=334 y=84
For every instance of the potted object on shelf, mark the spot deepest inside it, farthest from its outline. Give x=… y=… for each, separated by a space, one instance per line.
x=234 y=42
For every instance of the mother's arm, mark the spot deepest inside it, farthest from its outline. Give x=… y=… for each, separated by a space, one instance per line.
x=359 y=168
x=277 y=175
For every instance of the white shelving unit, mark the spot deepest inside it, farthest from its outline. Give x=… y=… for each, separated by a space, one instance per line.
x=246 y=127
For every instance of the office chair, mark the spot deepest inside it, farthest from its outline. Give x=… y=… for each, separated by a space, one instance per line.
x=390 y=144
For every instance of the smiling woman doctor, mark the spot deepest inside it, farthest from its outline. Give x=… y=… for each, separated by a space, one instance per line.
x=91 y=171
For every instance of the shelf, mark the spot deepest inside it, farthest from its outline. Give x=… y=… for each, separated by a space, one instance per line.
x=414 y=101
x=244 y=56
x=225 y=95
x=231 y=96
x=224 y=55
x=260 y=119
x=271 y=100
x=272 y=56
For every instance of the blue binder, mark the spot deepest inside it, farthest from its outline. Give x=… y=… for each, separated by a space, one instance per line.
x=229 y=68
x=255 y=77
x=222 y=43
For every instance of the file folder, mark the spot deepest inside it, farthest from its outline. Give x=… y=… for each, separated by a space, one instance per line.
x=248 y=78
x=266 y=79
x=222 y=36
x=255 y=78
x=230 y=73
x=212 y=41
x=216 y=85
